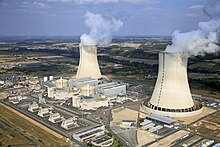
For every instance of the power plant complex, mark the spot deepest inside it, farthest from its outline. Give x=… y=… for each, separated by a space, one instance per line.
x=135 y=106
x=171 y=95
x=88 y=63
x=83 y=107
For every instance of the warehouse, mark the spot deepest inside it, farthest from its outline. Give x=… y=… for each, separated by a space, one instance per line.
x=160 y=119
x=82 y=82
x=112 y=89
x=89 y=134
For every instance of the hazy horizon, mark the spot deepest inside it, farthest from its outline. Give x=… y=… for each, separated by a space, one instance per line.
x=67 y=17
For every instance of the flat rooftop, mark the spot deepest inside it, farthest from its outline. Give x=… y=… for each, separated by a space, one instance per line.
x=90 y=133
x=110 y=85
x=84 y=79
x=88 y=130
x=102 y=139
x=160 y=118
x=128 y=120
x=106 y=84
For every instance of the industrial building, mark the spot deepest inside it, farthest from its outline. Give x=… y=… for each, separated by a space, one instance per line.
x=50 y=88
x=147 y=126
x=17 y=91
x=111 y=89
x=33 y=107
x=88 y=63
x=90 y=134
x=160 y=119
x=44 y=112
x=103 y=141
x=92 y=103
x=86 y=93
x=61 y=83
x=128 y=123
x=155 y=128
x=145 y=122
x=55 y=117
x=65 y=89
x=69 y=123
x=80 y=82
x=171 y=95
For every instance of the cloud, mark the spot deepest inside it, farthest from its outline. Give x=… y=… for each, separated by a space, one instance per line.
x=151 y=9
x=33 y=5
x=192 y=15
x=62 y=1
x=196 y=7
x=103 y=1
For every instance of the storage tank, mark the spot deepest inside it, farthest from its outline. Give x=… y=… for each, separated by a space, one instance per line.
x=87 y=90
x=61 y=83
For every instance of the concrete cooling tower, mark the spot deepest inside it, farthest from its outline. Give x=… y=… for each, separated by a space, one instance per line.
x=171 y=95
x=88 y=64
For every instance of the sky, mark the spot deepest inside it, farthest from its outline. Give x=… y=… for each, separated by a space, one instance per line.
x=66 y=17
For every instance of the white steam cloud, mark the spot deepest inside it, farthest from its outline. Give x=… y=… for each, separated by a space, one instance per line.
x=104 y=1
x=101 y=29
x=201 y=41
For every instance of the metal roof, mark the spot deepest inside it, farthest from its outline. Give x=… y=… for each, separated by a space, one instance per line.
x=128 y=120
x=160 y=118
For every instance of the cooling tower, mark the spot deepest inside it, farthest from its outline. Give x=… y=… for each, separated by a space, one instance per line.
x=171 y=95
x=88 y=64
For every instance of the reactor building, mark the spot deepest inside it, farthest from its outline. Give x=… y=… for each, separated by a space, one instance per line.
x=171 y=95
x=88 y=63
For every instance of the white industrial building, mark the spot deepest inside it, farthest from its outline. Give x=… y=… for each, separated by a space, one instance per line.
x=86 y=93
x=55 y=117
x=76 y=100
x=111 y=89
x=92 y=103
x=171 y=95
x=160 y=119
x=88 y=63
x=50 y=88
x=63 y=94
x=90 y=134
x=44 y=112
x=33 y=107
x=155 y=128
x=97 y=95
x=128 y=123
x=69 y=123
x=80 y=82
x=65 y=89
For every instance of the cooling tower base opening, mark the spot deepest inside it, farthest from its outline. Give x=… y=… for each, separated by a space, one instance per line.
x=196 y=109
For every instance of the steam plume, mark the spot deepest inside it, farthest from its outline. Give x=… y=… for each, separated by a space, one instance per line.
x=101 y=29
x=200 y=41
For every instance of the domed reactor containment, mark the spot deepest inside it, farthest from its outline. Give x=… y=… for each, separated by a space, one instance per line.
x=171 y=95
x=88 y=64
